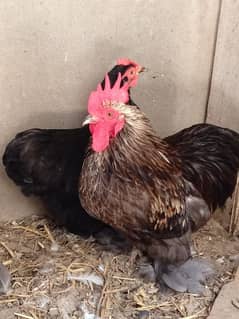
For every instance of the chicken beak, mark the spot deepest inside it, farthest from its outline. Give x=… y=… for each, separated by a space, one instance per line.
x=142 y=69
x=89 y=119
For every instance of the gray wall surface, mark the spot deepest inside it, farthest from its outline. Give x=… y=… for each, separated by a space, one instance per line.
x=223 y=106
x=53 y=53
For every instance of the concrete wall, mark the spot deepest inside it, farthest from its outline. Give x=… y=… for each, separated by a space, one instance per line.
x=223 y=106
x=52 y=53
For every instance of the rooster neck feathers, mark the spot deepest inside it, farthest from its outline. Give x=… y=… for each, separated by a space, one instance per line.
x=138 y=143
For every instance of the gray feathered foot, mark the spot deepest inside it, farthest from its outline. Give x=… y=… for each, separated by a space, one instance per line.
x=188 y=277
x=146 y=271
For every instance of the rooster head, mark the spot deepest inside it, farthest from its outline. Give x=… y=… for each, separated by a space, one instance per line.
x=128 y=69
x=106 y=122
x=132 y=71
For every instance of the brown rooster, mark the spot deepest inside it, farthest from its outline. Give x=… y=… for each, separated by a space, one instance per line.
x=132 y=180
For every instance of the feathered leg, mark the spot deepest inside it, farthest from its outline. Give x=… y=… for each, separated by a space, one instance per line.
x=197 y=211
x=173 y=265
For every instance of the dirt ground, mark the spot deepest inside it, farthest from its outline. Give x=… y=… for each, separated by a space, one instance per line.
x=59 y=275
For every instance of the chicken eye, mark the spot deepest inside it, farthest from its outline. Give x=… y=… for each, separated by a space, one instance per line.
x=125 y=79
x=109 y=114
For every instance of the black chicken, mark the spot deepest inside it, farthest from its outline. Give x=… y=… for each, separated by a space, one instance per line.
x=47 y=163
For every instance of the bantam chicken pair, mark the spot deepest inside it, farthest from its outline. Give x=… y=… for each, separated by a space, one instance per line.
x=115 y=173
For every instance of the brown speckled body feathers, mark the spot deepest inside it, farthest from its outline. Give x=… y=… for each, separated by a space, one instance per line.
x=136 y=184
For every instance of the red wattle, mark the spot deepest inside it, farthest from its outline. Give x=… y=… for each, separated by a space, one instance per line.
x=100 y=137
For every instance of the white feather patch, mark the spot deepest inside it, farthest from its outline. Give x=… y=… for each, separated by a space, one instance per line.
x=87 y=278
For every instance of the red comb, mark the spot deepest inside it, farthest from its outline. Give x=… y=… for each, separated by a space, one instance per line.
x=125 y=61
x=115 y=94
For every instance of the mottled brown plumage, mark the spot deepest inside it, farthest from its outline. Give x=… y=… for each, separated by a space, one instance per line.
x=136 y=186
